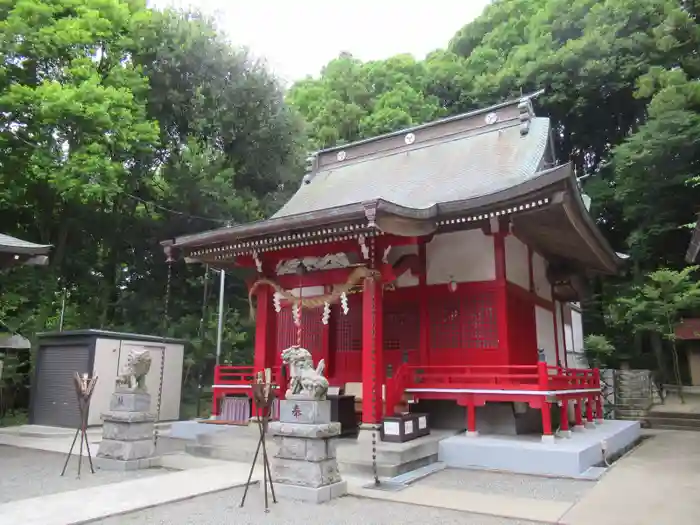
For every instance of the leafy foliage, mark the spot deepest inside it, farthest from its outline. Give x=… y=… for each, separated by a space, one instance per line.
x=658 y=305
x=621 y=89
x=121 y=127
x=598 y=349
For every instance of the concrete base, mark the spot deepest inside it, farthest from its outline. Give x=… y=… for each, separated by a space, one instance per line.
x=393 y=459
x=562 y=457
x=310 y=494
x=123 y=465
x=191 y=430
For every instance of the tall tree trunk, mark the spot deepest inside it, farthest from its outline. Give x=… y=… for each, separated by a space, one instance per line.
x=657 y=346
x=676 y=361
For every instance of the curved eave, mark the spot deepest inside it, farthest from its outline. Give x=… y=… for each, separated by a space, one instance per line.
x=546 y=211
x=565 y=230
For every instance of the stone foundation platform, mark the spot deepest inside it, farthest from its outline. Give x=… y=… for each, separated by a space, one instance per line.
x=583 y=455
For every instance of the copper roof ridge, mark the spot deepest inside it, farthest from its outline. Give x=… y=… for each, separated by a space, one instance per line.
x=461 y=116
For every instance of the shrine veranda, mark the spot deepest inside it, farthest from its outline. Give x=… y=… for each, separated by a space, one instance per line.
x=437 y=268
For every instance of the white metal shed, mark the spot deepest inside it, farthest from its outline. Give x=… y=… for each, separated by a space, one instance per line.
x=100 y=353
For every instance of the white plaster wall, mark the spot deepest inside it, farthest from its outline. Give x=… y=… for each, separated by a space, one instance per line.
x=545 y=334
x=407 y=279
x=517 y=268
x=539 y=275
x=560 y=330
x=576 y=355
x=464 y=256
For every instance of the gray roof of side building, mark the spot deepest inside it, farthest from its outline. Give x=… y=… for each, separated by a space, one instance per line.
x=10 y=244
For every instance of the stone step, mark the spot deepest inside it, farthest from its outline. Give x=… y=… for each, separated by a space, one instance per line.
x=418 y=474
x=655 y=421
x=656 y=414
x=358 y=467
x=240 y=454
x=674 y=427
x=225 y=436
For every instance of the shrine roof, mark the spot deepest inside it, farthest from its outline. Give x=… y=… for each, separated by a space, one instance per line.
x=491 y=163
x=451 y=160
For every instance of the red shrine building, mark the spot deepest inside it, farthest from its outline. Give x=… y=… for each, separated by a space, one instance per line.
x=439 y=265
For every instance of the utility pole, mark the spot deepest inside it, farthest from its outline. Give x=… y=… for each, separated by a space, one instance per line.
x=220 y=329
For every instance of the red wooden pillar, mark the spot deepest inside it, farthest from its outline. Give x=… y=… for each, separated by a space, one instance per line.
x=263 y=316
x=326 y=341
x=471 y=418
x=577 y=413
x=372 y=352
x=546 y=418
x=499 y=251
x=423 y=312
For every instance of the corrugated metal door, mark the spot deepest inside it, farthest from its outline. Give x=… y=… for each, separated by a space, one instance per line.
x=55 y=402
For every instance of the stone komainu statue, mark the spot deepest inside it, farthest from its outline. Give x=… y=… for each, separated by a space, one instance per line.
x=304 y=379
x=133 y=374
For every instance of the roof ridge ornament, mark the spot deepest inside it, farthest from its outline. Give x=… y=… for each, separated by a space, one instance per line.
x=311 y=168
x=527 y=112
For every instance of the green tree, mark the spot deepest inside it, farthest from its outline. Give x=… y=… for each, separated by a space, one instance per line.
x=126 y=126
x=658 y=305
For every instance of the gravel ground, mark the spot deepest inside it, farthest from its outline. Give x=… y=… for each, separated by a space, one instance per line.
x=27 y=473
x=222 y=509
x=536 y=487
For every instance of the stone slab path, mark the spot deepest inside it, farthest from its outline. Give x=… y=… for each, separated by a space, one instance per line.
x=85 y=505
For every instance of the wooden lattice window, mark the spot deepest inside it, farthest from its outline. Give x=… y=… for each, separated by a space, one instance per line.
x=348 y=328
x=312 y=327
x=401 y=326
x=463 y=321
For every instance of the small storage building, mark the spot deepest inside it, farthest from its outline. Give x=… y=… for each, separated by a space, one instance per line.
x=96 y=352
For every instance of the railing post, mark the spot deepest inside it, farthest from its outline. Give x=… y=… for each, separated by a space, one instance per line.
x=596 y=378
x=542 y=375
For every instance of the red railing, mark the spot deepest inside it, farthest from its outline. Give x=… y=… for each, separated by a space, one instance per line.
x=498 y=377
x=395 y=388
x=240 y=375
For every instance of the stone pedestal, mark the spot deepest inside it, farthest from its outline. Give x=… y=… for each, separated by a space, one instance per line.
x=127 y=433
x=305 y=467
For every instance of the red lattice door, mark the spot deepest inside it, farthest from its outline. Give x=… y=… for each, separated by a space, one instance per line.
x=463 y=328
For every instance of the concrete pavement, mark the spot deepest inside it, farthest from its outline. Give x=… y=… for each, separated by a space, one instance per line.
x=657 y=484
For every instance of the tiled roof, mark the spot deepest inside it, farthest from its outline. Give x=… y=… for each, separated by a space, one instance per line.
x=470 y=164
